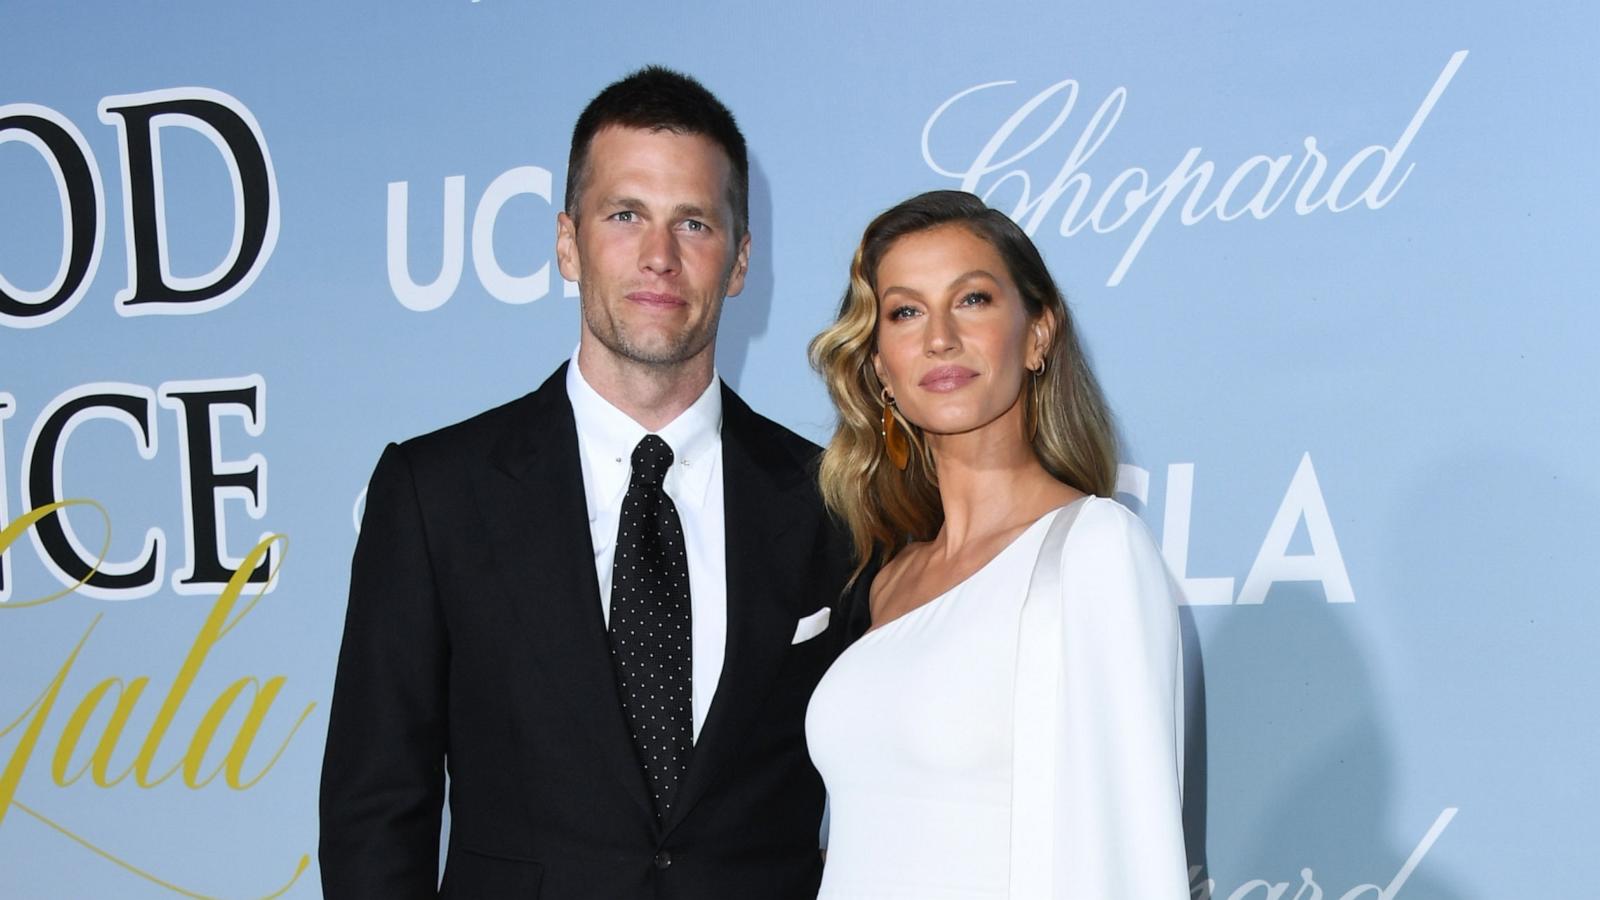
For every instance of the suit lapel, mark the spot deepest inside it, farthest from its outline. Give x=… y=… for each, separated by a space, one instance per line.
x=539 y=528
x=763 y=495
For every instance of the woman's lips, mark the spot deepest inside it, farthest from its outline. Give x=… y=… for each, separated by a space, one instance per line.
x=946 y=378
x=655 y=300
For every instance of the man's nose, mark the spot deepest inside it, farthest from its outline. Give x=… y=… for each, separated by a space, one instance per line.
x=659 y=252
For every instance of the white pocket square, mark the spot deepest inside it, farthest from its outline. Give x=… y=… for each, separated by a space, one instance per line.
x=811 y=626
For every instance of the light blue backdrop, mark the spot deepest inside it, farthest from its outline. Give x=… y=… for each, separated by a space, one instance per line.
x=1373 y=423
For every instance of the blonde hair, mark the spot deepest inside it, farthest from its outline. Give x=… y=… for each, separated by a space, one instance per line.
x=886 y=508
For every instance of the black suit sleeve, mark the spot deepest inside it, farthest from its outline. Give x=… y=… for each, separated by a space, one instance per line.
x=383 y=770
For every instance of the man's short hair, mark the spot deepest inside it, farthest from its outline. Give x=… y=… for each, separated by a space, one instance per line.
x=658 y=99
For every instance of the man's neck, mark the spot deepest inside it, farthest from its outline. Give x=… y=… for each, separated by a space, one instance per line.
x=651 y=395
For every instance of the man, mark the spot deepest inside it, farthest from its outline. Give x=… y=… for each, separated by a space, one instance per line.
x=601 y=608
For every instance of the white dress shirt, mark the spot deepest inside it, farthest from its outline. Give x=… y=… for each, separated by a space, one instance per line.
x=606 y=438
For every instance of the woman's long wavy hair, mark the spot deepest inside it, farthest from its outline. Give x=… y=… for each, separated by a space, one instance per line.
x=886 y=508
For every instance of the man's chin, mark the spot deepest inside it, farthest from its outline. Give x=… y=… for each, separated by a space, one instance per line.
x=665 y=353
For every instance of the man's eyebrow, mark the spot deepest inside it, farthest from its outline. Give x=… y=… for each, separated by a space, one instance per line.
x=693 y=210
x=682 y=210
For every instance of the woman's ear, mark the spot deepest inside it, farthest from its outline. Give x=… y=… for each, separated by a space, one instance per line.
x=877 y=369
x=1044 y=332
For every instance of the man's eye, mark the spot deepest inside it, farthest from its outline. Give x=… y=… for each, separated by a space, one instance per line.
x=696 y=225
x=625 y=215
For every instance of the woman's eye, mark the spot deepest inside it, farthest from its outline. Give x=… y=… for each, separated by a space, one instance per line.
x=975 y=298
x=902 y=312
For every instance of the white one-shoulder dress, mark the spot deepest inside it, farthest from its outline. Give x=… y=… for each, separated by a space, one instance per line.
x=1019 y=736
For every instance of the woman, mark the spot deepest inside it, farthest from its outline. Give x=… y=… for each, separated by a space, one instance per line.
x=1010 y=724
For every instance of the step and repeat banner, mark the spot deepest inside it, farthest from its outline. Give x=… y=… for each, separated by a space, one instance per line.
x=1334 y=265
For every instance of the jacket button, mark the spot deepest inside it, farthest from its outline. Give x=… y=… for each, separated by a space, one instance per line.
x=663 y=859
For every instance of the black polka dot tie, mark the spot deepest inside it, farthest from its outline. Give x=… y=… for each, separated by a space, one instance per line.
x=650 y=638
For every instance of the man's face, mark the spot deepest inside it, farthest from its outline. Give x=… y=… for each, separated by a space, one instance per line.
x=653 y=248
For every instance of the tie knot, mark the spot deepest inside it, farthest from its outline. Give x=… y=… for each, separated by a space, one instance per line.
x=651 y=460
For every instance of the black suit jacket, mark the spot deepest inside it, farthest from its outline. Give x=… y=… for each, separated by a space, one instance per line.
x=474 y=644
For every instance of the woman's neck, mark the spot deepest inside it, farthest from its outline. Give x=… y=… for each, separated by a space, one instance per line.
x=990 y=481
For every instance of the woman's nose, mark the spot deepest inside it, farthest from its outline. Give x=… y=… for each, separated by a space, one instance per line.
x=942 y=335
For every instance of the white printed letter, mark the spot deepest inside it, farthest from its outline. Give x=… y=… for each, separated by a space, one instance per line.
x=1324 y=563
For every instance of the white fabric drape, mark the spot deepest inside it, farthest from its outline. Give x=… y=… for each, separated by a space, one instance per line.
x=1097 y=766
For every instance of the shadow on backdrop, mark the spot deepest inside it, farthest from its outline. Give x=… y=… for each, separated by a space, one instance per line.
x=745 y=317
x=1299 y=761
x=1194 y=743
x=1503 y=610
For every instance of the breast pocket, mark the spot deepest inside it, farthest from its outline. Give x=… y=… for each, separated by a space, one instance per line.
x=804 y=663
x=473 y=875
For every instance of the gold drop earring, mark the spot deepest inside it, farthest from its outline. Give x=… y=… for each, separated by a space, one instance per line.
x=895 y=445
x=1033 y=400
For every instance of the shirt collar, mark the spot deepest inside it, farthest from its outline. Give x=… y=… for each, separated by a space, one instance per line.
x=608 y=436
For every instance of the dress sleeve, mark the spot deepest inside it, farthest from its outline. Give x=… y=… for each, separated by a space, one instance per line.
x=1108 y=814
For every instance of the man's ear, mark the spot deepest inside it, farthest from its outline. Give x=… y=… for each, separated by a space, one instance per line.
x=741 y=266
x=568 y=260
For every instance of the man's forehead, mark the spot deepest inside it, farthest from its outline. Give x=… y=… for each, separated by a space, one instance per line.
x=642 y=165
x=661 y=145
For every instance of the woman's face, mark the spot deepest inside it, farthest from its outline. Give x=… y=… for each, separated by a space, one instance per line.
x=954 y=338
